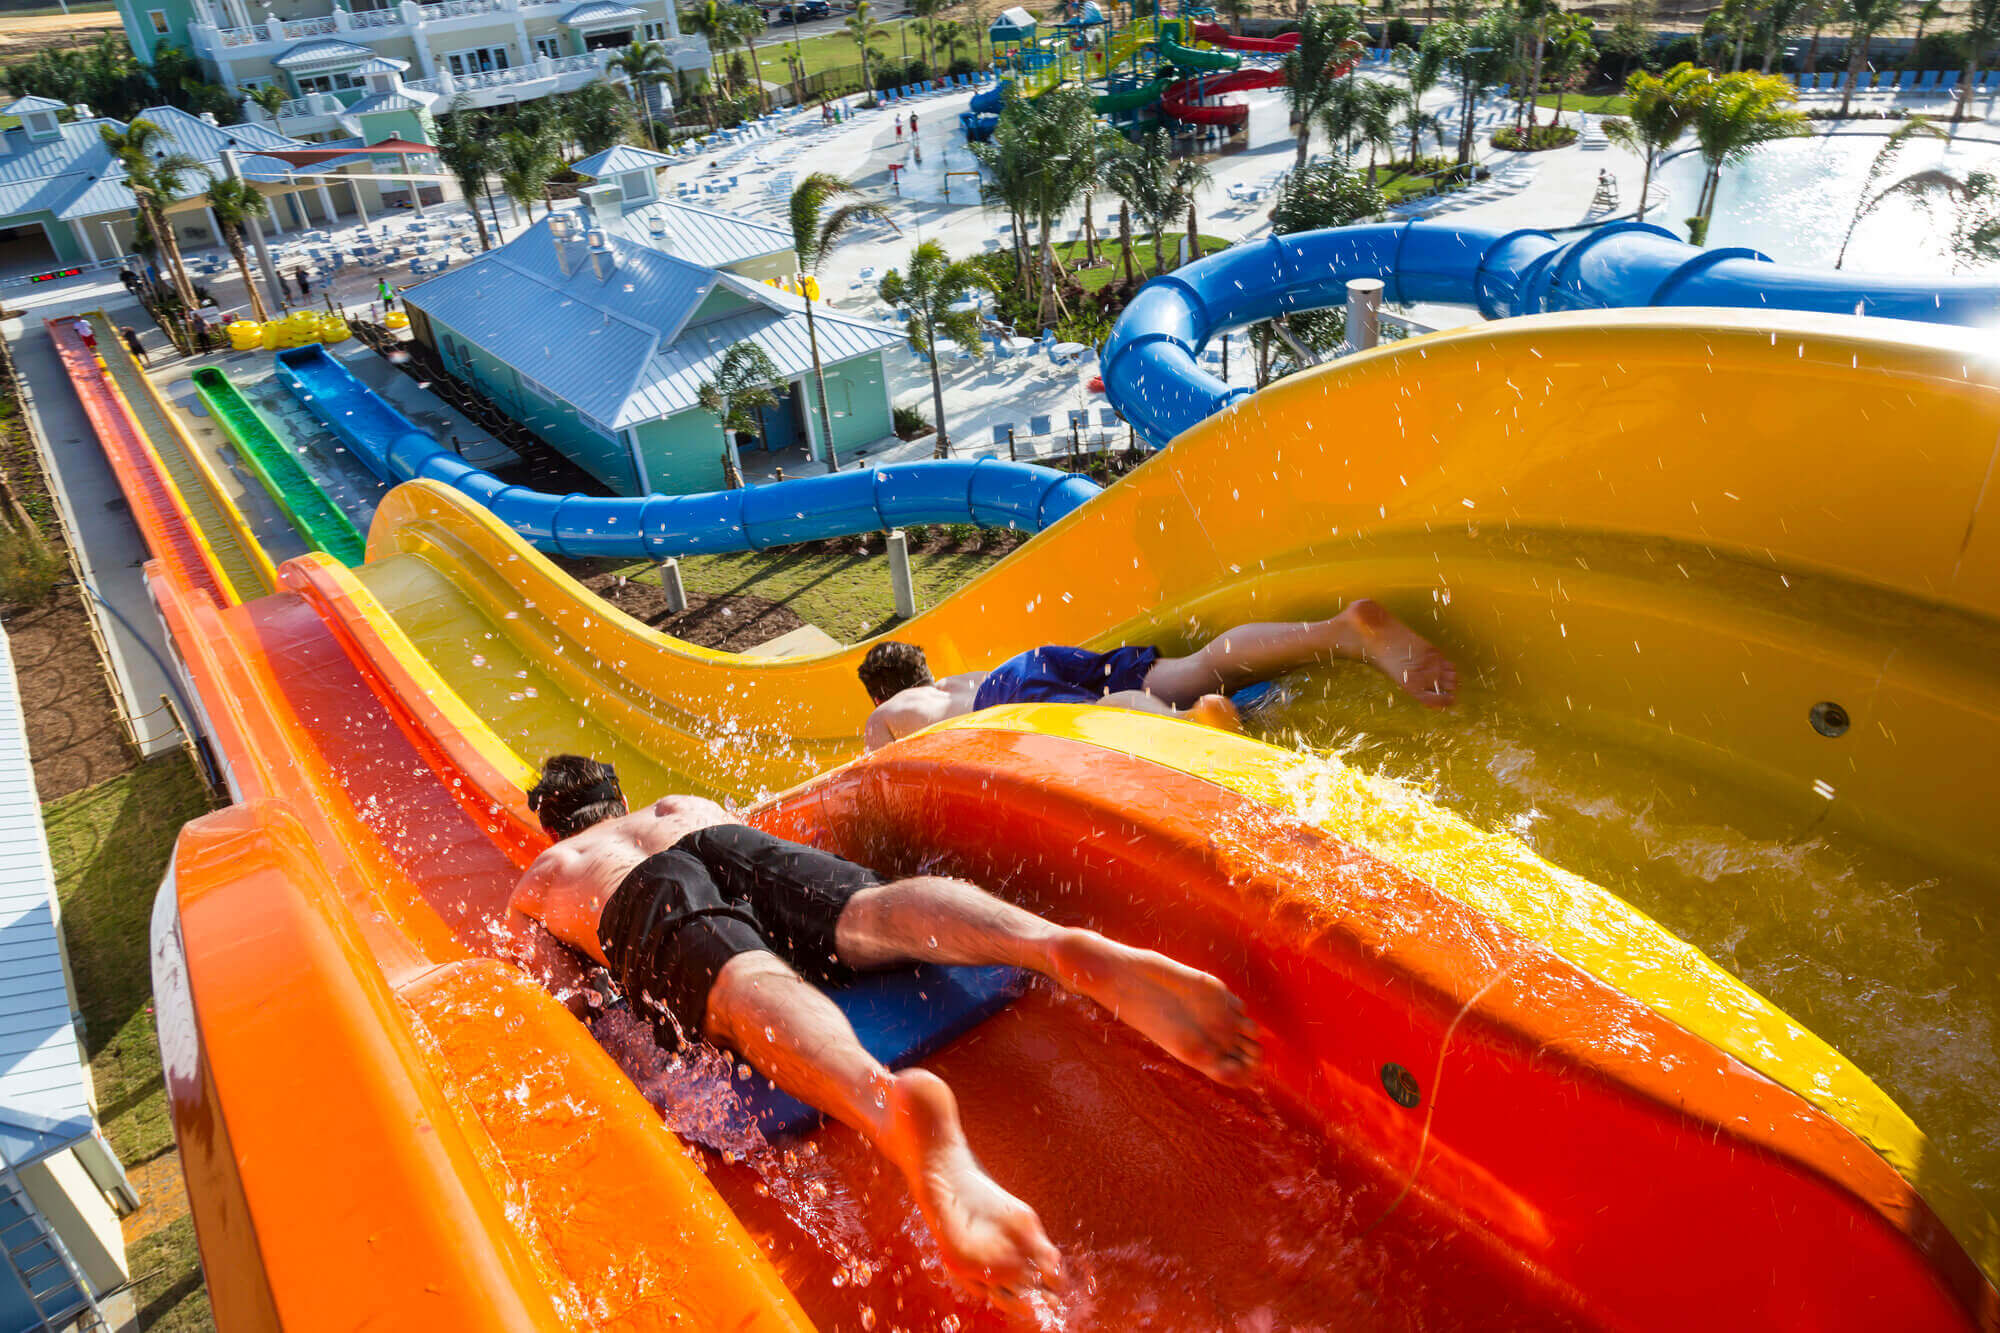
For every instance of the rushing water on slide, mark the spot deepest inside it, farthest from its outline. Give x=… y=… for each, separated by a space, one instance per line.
x=1888 y=958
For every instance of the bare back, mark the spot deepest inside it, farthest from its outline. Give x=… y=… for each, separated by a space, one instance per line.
x=921 y=705
x=567 y=886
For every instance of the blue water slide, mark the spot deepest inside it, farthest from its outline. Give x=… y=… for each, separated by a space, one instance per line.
x=985 y=491
x=1154 y=379
x=987 y=100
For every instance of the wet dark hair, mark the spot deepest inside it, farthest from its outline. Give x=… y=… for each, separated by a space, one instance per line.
x=892 y=667
x=575 y=793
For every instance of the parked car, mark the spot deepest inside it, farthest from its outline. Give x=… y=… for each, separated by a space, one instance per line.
x=803 y=11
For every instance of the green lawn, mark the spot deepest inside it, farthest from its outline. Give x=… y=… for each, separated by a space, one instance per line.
x=845 y=595
x=1598 y=104
x=1096 y=279
x=110 y=844
x=835 y=49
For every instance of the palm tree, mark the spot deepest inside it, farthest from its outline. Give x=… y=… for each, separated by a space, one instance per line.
x=819 y=225
x=934 y=283
x=1573 y=49
x=711 y=19
x=745 y=22
x=1885 y=157
x=269 y=97
x=1157 y=186
x=1422 y=70
x=1044 y=156
x=594 y=117
x=640 y=62
x=864 y=30
x=524 y=164
x=746 y=379
x=1661 y=109
x=1982 y=25
x=1735 y=115
x=1375 y=120
x=1975 y=209
x=1867 y=18
x=1310 y=67
x=1781 y=17
x=1535 y=15
x=925 y=13
x=1236 y=11
x=1928 y=12
x=465 y=146
x=1420 y=122
x=155 y=178
x=235 y=202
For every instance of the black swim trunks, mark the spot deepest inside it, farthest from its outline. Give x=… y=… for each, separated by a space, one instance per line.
x=721 y=891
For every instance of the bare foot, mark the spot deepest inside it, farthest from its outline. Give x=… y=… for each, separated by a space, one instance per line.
x=1403 y=655
x=991 y=1241
x=1216 y=710
x=1189 y=1013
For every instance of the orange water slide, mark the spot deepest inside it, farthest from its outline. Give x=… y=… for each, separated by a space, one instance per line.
x=156 y=508
x=1441 y=1131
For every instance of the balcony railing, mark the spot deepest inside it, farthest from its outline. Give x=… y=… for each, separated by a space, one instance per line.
x=456 y=9
x=401 y=15
x=376 y=18
x=447 y=83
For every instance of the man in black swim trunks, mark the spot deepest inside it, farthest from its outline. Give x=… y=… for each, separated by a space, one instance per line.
x=716 y=931
x=1197 y=686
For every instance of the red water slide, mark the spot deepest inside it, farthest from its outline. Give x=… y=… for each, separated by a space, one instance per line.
x=1221 y=36
x=1180 y=102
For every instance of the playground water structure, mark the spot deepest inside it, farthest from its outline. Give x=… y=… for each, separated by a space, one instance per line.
x=326 y=946
x=984 y=491
x=1152 y=373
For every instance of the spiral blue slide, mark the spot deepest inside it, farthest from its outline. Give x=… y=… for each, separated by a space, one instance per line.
x=1152 y=375
x=984 y=491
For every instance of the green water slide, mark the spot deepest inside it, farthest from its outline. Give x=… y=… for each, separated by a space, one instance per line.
x=1131 y=99
x=317 y=518
x=1189 y=58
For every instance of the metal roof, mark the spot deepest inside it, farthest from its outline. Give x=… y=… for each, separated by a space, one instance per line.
x=601 y=11
x=618 y=159
x=383 y=65
x=21 y=106
x=700 y=235
x=324 y=53
x=44 y=1099
x=628 y=349
x=385 y=102
x=74 y=175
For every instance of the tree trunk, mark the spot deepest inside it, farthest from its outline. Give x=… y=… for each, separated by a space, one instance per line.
x=1917 y=47
x=1812 y=49
x=1535 y=77
x=1194 y=232
x=732 y=466
x=1645 y=186
x=943 y=449
x=472 y=204
x=242 y=258
x=1089 y=234
x=819 y=382
x=1855 y=54
x=1125 y=240
x=164 y=232
x=1965 y=81
x=1305 y=142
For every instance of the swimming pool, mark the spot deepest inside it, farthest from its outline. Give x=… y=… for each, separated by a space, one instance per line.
x=1792 y=200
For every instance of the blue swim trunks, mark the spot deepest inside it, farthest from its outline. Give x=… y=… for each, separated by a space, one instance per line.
x=1065 y=675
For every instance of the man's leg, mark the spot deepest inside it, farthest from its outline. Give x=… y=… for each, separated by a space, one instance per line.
x=1363 y=632
x=931 y=919
x=795 y=1036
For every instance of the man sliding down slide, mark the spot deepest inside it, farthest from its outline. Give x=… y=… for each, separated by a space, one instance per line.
x=716 y=931
x=1196 y=686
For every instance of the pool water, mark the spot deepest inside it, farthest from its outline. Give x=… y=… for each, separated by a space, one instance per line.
x=1888 y=958
x=1793 y=201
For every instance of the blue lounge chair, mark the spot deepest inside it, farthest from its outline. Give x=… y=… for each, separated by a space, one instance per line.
x=1986 y=77
x=1039 y=426
x=1928 y=81
x=1079 y=418
x=1002 y=431
x=1107 y=417
x=1950 y=81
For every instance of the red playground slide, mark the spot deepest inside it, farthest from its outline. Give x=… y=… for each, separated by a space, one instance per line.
x=1221 y=36
x=1179 y=100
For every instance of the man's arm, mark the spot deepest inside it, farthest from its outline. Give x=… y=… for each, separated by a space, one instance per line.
x=877 y=733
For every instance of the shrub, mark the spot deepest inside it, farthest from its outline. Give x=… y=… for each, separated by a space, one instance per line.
x=911 y=423
x=1401 y=32
x=962 y=534
x=1536 y=140
x=1324 y=193
x=30 y=568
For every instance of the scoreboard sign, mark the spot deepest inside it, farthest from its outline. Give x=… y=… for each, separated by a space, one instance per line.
x=55 y=275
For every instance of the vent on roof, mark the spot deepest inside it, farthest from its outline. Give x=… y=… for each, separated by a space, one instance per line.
x=82 y=111
x=602 y=262
x=562 y=226
x=657 y=225
x=208 y=118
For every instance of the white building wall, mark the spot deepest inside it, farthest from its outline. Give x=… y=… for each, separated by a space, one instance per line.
x=71 y=1203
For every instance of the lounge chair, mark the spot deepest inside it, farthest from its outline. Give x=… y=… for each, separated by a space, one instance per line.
x=1949 y=82
x=1039 y=426
x=1002 y=431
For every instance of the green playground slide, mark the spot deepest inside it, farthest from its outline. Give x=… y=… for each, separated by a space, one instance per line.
x=317 y=518
x=1131 y=99
x=1189 y=58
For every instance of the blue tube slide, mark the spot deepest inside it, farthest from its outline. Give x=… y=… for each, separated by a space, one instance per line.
x=1152 y=377
x=987 y=100
x=985 y=491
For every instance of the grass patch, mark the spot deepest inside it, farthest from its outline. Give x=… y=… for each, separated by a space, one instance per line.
x=1539 y=139
x=846 y=594
x=1598 y=104
x=835 y=50
x=1097 y=279
x=30 y=568
x=166 y=1270
x=110 y=844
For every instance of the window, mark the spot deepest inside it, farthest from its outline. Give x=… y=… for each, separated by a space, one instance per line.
x=158 y=18
x=656 y=32
x=549 y=46
x=328 y=83
x=635 y=185
x=479 y=60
